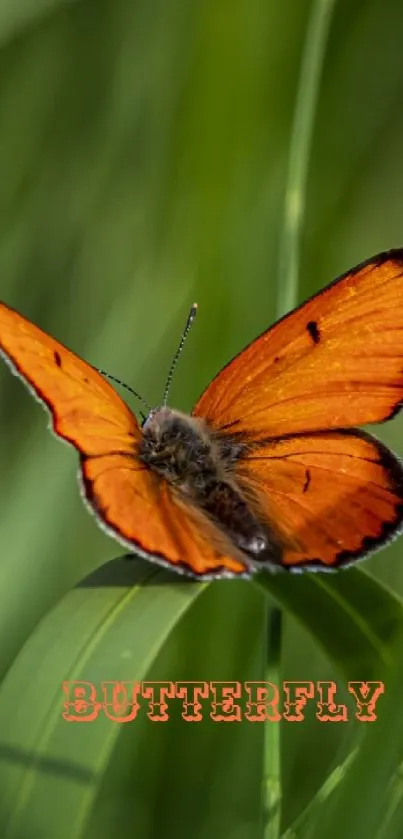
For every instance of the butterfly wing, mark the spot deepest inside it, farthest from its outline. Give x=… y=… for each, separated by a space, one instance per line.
x=335 y=362
x=86 y=411
x=144 y=513
x=330 y=497
x=133 y=504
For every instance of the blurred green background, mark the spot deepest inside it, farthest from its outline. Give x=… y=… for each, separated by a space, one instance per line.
x=144 y=148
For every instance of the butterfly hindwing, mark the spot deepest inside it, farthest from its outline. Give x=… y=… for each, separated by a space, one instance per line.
x=331 y=497
x=148 y=516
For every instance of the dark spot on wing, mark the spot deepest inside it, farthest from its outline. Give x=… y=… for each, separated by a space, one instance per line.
x=313 y=330
x=57 y=358
x=307 y=480
x=276 y=358
x=229 y=425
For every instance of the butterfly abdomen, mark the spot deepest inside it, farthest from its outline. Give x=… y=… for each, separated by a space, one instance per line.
x=225 y=505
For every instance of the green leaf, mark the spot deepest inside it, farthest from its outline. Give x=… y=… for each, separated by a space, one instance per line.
x=353 y=617
x=111 y=627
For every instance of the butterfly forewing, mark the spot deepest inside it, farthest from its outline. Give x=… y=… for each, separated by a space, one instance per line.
x=85 y=408
x=335 y=362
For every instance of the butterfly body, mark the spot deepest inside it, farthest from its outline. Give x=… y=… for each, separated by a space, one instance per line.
x=270 y=469
x=200 y=465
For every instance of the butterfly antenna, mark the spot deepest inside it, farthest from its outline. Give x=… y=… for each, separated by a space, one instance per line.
x=127 y=387
x=191 y=316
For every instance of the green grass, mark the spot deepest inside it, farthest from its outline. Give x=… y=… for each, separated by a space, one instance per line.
x=145 y=163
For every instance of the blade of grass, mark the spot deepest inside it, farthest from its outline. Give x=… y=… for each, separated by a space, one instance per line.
x=271 y=777
x=393 y=811
x=300 y=146
x=287 y=285
x=305 y=819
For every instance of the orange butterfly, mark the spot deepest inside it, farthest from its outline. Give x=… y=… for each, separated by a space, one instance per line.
x=268 y=470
